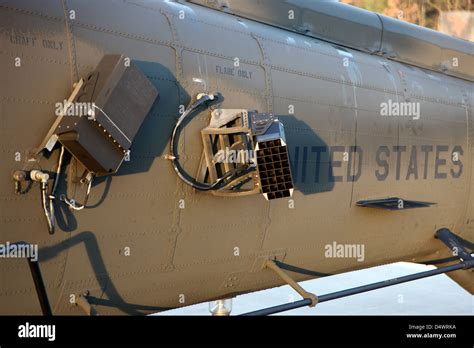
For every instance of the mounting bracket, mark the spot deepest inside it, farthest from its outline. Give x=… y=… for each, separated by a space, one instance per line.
x=445 y=235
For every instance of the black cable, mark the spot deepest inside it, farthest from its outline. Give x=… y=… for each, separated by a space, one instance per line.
x=227 y=177
x=300 y=270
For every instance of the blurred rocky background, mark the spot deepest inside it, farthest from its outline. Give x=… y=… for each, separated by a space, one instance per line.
x=453 y=17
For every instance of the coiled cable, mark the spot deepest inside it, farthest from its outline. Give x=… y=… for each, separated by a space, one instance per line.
x=202 y=99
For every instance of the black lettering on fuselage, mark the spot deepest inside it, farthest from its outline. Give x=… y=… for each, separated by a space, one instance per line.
x=440 y=162
x=413 y=165
x=457 y=149
x=426 y=149
x=382 y=163
x=334 y=164
x=433 y=166
x=18 y=39
x=399 y=149
x=357 y=151
x=229 y=71
x=53 y=44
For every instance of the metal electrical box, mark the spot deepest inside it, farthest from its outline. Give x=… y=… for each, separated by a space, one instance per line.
x=117 y=97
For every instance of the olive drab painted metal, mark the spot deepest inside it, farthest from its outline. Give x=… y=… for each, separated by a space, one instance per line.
x=148 y=242
x=359 y=29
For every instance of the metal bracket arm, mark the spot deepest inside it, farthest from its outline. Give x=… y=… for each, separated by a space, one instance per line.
x=287 y=279
x=444 y=235
x=86 y=306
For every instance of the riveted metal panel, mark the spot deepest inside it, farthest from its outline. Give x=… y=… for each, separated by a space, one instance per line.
x=348 y=26
x=359 y=29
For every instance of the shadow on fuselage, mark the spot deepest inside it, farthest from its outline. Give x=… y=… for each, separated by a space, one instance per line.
x=153 y=137
x=112 y=298
x=311 y=166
